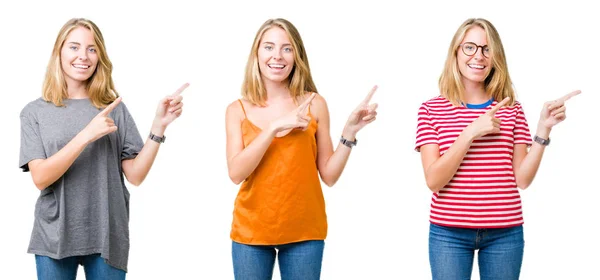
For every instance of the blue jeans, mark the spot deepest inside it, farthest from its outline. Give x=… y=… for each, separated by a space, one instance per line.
x=300 y=260
x=451 y=252
x=66 y=269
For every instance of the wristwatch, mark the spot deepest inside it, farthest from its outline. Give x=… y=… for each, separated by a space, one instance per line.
x=347 y=142
x=542 y=141
x=157 y=139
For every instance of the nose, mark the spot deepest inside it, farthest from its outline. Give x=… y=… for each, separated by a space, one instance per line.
x=83 y=54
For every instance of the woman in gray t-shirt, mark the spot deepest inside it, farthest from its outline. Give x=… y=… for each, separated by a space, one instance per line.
x=78 y=141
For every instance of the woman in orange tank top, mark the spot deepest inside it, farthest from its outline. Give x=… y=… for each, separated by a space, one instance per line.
x=278 y=143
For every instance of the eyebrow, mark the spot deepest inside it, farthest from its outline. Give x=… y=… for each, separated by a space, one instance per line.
x=75 y=43
x=286 y=44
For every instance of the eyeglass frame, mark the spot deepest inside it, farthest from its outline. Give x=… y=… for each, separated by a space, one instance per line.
x=476 y=50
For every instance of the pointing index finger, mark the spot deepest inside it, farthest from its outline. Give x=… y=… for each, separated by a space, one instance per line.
x=498 y=106
x=370 y=95
x=110 y=107
x=306 y=102
x=569 y=95
x=180 y=90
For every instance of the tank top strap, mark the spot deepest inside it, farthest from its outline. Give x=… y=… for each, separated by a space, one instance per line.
x=244 y=110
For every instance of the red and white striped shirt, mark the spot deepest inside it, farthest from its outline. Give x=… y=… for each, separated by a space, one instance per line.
x=483 y=193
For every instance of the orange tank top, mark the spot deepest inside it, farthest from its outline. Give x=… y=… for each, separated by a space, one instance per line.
x=282 y=200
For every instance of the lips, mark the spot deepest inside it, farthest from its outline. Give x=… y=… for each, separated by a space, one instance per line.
x=81 y=66
x=276 y=66
x=476 y=66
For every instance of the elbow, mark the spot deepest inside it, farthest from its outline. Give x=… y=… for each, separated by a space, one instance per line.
x=40 y=183
x=329 y=180
x=523 y=185
x=136 y=183
x=235 y=178
x=329 y=183
x=134 y=180
x=433 y=186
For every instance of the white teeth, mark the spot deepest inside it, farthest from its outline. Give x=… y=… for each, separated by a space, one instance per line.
x=81 y=66
x=476 y=66
x=278 y=66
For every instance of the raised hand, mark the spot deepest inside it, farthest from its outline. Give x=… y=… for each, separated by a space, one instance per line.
x=554 y=111
x=170 y=107
x=486 y=123
x=296 y=118
x=101 y=124
x=364 y=114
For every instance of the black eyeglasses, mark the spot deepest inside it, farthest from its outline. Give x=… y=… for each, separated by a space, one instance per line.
x=470 y=49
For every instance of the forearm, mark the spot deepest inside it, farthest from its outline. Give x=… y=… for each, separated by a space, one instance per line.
x=142 y=163
x=243 y=164
x=525 y=173
x=45 y=172
x=441 y=171
x=336 y=163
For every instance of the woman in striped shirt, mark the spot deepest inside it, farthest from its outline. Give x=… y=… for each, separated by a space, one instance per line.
x=474 y=141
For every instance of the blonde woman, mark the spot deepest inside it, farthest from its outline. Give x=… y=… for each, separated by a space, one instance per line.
x=78 y=140
x=476 y=152
x=278 y=143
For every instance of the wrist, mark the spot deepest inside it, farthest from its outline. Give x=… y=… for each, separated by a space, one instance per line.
x=158 y=129
x=543 y=131
x=349 y=134
x=82 y=139
x=467 y=135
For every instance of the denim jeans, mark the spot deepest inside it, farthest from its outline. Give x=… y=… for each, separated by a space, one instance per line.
x=451 y=252
x=66 y=269
x=300 y=260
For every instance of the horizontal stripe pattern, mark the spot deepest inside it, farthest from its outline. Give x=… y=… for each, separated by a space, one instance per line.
x=483 y=193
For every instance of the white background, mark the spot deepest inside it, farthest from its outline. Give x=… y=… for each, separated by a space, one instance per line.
x=378 y=211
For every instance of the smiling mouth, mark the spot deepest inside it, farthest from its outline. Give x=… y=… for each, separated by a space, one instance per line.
x=80 y=66
x=476 y=66
x=276 y=66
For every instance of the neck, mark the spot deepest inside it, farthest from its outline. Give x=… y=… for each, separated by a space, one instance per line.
x=77 y=89
x=475 y=92
x=276 y=90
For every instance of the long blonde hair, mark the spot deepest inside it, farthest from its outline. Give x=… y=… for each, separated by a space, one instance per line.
x=497 y=83
x=100 y=87
x=300 y=80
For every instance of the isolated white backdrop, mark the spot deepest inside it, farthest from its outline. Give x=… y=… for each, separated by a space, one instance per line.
x=378 y=211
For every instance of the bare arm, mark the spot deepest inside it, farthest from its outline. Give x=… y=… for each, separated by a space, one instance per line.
x=169 y=109
x=241 y=161
x=526 y=163
x=331 y=163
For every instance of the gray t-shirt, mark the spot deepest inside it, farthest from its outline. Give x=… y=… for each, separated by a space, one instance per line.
x=86 y=211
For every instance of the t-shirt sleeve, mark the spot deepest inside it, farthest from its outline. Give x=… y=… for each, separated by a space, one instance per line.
x=521 y=130
x=426 y=133
x=32 y=146
x=132 y=141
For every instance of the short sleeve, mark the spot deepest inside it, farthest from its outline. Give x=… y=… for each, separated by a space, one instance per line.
x=32 y=146
x=132 y=141
x=521 y=131
x=426 y=133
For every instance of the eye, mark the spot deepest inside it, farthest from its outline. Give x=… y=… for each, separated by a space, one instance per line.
x=287 y=49
x=73 y=47
x=486 y=50
x=268 y=47
x=92 y=50
x=469 y=47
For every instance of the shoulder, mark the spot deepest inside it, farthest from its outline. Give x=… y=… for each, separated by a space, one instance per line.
x=34 y=106
x=318 y=106
x=235 y=110
x=435 y=102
